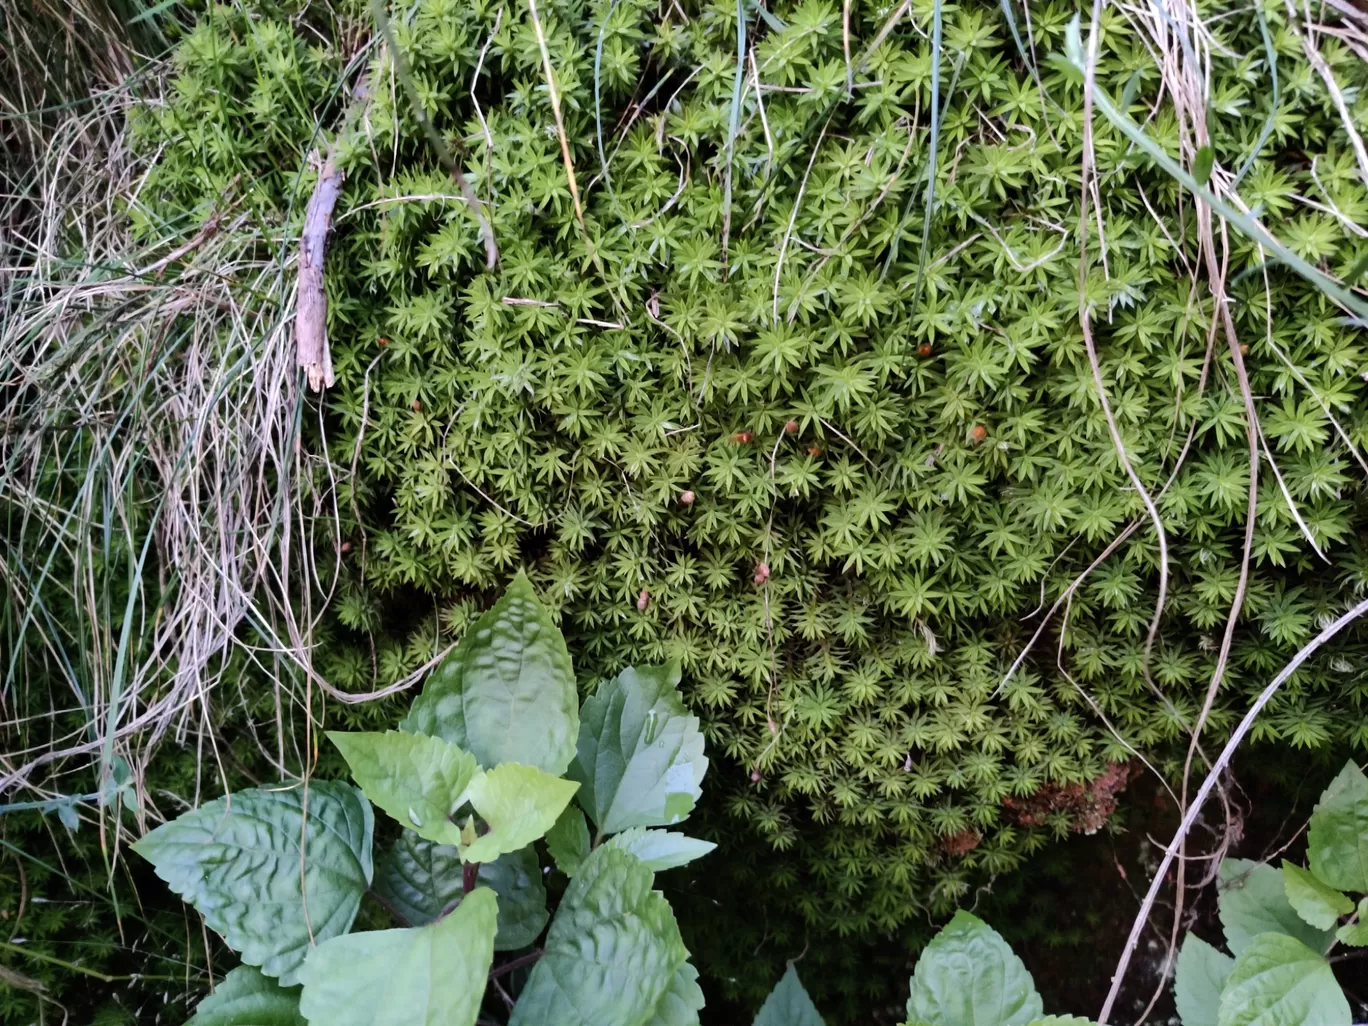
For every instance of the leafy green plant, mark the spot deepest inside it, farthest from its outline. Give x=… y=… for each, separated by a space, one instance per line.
x=486 y=764
x=1279 y=925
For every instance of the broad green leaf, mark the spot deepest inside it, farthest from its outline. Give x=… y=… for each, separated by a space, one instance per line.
x=969 y=976
x=247 y=998
x=681 y=1002
x=519 y=804
x=1355 y=934
x=659 y=850
x=788 y=1004
x=612 y=950
x=1278 y=981
x=1317 y=904
x=1062 y=1020
x=1200 y=977
x=640 y=754
x=568 y=840
x=426 y=976
x=419 y=879
x=507 y=692
x=1202 y=163
x=1253 y=900
x=419 y=780
x=1337 y=841
x=237 y=860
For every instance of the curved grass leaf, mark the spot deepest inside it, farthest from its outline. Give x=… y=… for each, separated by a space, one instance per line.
x=247 y=998
x=969 y=976
x=788 y=1004
x=1253 y=900
x=419 y=880
x=426 y=976
x=611 y=953
x=1337 y=841
x=519 y=804
x=507 y=693
x=1279 y=981
x=640 y=754
x=1200 y=977
x=238 y=861
x=1317 y=904
x=419 y=780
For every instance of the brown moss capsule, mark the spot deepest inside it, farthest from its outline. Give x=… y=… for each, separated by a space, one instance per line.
x=978 y=432
x=382 y=342
x=1244 y=348
x=814 y=450
x=346 y=546
x=755 y=776
x=742 y=437
x=417 y=406
x=687 y=498
x=791 y=427
x=762 y=573
x=924 y=350
x=643 y=600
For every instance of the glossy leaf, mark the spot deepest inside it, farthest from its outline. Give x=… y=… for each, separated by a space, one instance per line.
x=419 y=879
x=659 y=850
x=611 y=953
x=1317 y=904
x=640 y=753
x=1278 y=981
x=507 y=692
x=425 y=976
x=788 y=1004
x=681 y=1002
x=1337 y=841
x=519 y=804
x=969 y=976
x=568 y=840
x=1198 y=980
x=419 y=780
x=246 y=997
x=237 y=860
x=1253 y=900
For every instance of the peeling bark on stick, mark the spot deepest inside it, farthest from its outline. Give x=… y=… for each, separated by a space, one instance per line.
x=311 y=313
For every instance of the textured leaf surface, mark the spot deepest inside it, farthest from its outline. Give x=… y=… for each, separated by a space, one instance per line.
x=237 y=860
x=426 y=976
x=1355 y=934
x=1317 y=904
x=519 y=804
x=1337 y=841
x=969 y=976
x=1253 y=900
x=681 y=1002
x=568 y=840
x=788 y=1004
x=418 y=879
x=419 y=780
x=640 y=753
x=245 y=997
x=1200 y=977
x=507 y=692
x=1279 y=981
x=660 y=849
x=612 y=950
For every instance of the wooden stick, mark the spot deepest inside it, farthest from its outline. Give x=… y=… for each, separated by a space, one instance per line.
x=311 y=308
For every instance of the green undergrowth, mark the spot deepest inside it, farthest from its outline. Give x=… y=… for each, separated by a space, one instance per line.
x=747 y=415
